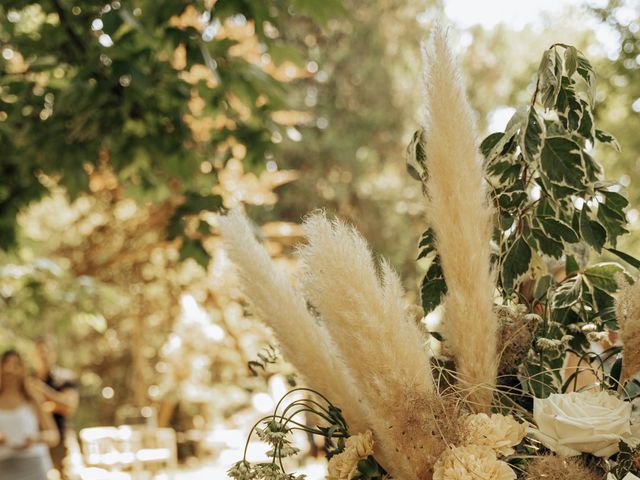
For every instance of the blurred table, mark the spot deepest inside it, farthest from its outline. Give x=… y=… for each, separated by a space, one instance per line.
x=128 y=453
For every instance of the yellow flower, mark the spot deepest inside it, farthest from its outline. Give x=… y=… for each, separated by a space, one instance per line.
x=472 y=462
x=345 y=465
x=499 y=432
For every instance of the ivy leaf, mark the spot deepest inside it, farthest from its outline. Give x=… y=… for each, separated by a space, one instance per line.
x=568 y=293
x=532 y=135
x=516 y=263
x=592 y=232
x=602 y=276
x=607 y=138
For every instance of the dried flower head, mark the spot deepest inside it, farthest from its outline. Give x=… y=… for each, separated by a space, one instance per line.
x=516 y=334
x=551 y=467
x=344 y=466
x=471 y=462
x=499 y=432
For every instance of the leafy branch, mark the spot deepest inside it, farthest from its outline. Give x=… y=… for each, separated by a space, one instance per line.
x=553 y=211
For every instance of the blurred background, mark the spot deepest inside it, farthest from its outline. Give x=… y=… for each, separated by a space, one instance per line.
x=126 y=126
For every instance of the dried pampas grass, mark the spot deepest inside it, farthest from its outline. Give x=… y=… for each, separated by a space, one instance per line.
x=552 y=467
x=379 y=341
x=460 y=216
x=304 y=341
x=628 y=315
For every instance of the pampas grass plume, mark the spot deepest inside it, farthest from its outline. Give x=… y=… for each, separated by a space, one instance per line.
x=304 y=341
x=366 y=317
x=459 y=214
x=628 y=315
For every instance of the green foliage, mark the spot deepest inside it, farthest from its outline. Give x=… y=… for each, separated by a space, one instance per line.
x=554 y=210
x=548 y=192
x=86 y=83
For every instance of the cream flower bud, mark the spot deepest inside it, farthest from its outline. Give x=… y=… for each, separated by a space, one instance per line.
x=344 y=466
x=472 y=462
x=499 y=432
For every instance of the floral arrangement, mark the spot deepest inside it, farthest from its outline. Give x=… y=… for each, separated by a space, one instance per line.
x=517 y=391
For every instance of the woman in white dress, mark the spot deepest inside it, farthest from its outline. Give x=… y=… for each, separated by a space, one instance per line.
x=25 y=429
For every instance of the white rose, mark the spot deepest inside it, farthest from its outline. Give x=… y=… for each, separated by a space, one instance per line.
x=628 y=476
x=582 y=422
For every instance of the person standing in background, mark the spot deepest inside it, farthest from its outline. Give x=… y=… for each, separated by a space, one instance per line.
x=25 y=428
x=59 y=390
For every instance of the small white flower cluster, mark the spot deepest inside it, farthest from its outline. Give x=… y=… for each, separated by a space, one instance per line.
x=553 y=344
x=244 y=470
x=275 y=434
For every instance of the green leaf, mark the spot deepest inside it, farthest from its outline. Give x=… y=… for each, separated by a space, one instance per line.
x=568 y=293
x=503 y=144
x=516 y=263
x=570 y=109
x=571 y=265
x=592 y=232
x=427 y=243
x=607 y=138
x=570 y=60
x=586 y=128
x=614 y=200
x=562 y=162
x=602 y=276
x=634 y=262
x=548 y=80
x=192 y=248
x=433 y=287
x=558 y=229
x=546 y=244
x=490 y=142
x=613 y=221
x=585 y=70
x=532 y=135
x=542 y=286
x=416 y=157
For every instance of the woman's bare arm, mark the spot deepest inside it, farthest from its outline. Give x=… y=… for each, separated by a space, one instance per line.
x=48 y=430
x=64 y=402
